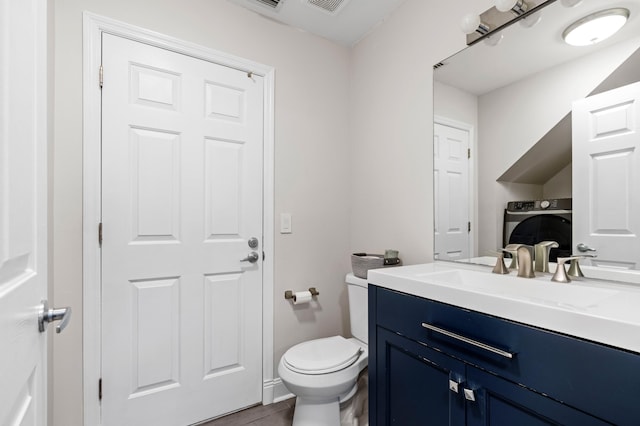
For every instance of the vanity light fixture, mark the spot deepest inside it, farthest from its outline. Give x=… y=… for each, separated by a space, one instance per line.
x=471 y=23
x=595 y=27
x=518 y=7
x=570 y=3
x=531 y=20
x=494 y=39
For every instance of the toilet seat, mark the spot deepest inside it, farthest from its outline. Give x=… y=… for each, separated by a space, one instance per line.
x=322 y=356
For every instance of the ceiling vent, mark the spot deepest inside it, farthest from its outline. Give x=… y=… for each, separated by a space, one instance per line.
x=330 y=6
x=271 y=3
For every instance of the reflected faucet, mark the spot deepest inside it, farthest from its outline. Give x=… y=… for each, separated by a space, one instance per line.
x=525 y=261
x=512 y=250
x=500 y=267
x=541 y=251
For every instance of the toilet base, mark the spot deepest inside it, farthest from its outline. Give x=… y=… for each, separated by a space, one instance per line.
x=315 y=413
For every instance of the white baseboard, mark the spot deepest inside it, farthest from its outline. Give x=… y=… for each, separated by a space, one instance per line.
x=274 y=391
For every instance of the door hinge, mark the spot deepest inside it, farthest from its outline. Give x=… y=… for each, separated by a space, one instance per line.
x=468 y=149
x=100 y=389
x=100 y=234
x=468 y=226
x=101 y=76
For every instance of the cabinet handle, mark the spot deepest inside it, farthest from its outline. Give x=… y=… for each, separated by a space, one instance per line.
x=475 y=343
x=469 y=395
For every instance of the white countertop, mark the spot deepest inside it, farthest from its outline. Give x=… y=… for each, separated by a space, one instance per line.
x=599 y=311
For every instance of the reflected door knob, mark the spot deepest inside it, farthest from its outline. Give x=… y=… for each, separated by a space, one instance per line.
x=251 y=257
x=49 y=315
x=583 y=248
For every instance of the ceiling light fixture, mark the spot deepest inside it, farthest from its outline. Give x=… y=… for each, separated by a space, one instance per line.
x=595 y=27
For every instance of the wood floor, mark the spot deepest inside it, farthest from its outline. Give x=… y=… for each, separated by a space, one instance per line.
x=279 y=414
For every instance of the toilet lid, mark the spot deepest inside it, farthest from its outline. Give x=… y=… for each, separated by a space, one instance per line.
x=322 y=356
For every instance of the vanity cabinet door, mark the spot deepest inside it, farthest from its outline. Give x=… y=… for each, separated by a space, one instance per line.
x=500 y=402
x=413 y=384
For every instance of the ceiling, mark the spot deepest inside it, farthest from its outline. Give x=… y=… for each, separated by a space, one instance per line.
x=350 y=21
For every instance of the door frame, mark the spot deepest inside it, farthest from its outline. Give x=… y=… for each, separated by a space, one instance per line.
x=473 y=178
x=93 y=27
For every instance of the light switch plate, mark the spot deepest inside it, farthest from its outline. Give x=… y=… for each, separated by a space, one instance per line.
x=285 y=223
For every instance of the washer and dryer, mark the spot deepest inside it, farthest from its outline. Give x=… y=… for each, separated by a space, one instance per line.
x=530 y=222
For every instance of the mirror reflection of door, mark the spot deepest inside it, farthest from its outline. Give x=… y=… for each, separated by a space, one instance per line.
x=451 y=190
x=606 y=176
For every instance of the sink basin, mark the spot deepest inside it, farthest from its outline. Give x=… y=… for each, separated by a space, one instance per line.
x=535 y=291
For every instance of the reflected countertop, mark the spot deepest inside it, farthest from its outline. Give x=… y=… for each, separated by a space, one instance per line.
x=596 y=310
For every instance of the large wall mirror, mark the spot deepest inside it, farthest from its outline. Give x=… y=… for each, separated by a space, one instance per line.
x=530 y=128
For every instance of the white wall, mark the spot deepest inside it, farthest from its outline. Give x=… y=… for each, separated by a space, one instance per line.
x=392 y=129
x=560 y=185
x=312 y=168
x=455 y=104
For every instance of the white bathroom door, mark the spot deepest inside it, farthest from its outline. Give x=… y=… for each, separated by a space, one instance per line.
x=606 y=176
x=451 y=192
x=23 y=212
x=182 y=143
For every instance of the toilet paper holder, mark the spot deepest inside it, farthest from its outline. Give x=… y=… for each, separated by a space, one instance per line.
x=289 y=294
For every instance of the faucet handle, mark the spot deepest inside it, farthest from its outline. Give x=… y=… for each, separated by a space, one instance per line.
x=500 y=267
x=561 y=276
x=574 y=266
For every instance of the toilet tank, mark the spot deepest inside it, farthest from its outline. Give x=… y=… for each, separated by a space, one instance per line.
x=358 y=307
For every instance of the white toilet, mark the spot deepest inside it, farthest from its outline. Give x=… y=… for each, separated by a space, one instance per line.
x=323 y=373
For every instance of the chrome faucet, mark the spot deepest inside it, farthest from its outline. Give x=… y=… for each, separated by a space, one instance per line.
x=525 y=261
x=541 y=252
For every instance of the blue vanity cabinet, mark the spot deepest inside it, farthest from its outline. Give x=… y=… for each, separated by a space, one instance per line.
x=549 y=379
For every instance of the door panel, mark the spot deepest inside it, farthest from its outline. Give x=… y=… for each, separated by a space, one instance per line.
x=223 y=324
x=181 y=196
x=156 y=338
x=222 y=187
x=155 y=185
x=606 y=155
x=23 y=211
